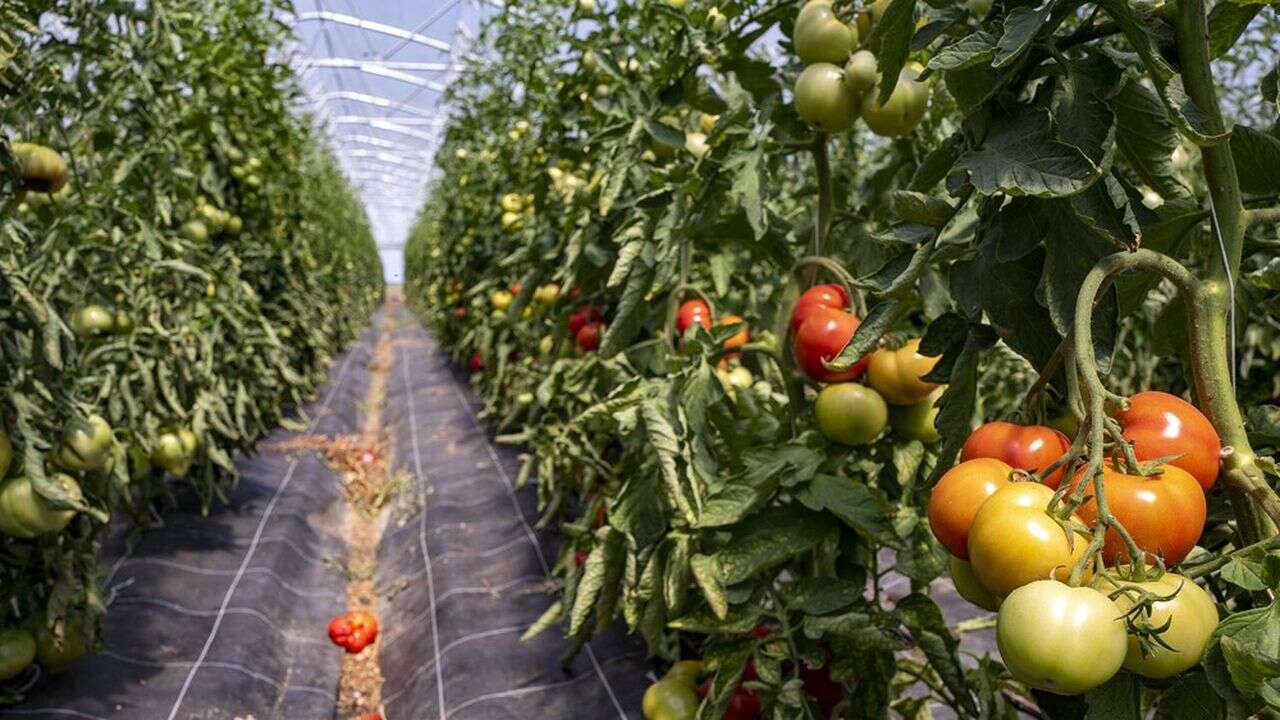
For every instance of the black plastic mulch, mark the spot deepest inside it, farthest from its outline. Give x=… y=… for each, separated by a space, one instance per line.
x=224 y=616
x=475 y=575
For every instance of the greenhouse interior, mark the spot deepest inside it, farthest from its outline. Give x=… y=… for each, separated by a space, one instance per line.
x=640 y=359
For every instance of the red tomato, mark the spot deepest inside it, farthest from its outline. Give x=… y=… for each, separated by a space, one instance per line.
x=477 y=361
x=580 y=557
x=354 y=631
x=818 y=296
x=744 y=705
x=1026 y=447
x=958 y=495
x=582 y=316
x=822 y=336
x=692 y=312
x=825 y=692
x=588 y=338
x=1164 y=513
x=516 y=288
x=1159 y=425
x=459 y=312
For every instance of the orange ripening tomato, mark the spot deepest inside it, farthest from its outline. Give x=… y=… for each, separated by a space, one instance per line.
x=740 y=338
x=957 y=497
x=692 y=312
x=1164 y=513
x=1014 y=541
x=819 y=296
x=1026 y=447
x=899 y=374
x=822 y=336
x=1159 y=425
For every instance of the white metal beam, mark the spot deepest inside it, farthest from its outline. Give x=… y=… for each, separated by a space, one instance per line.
x=371 y=26
x=374 y=100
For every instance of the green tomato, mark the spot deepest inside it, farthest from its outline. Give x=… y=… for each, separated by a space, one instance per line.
x=17 y=651
x=170 y=454
x=195 y=231
x=1061 y=639
x=57 y=654
x=822 y=100
x=86 y=444
x=819 y=35
x=91 y=321
x=685 y=671
x=189 y=440
x=670 y=699
x=979 y=8
x=861 y=72
x=904 y=109
x=139 y=463
x=969 y=588
x=916 y=422
x=25 y=514
x=1191 y=616
x=851 y=414
x=234 y=225
x=122 y=323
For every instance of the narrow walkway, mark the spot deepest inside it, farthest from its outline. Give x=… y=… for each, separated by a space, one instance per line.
x=477 y=573
x=223 y=617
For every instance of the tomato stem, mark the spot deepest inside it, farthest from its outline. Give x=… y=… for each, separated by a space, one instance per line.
x=1209 y=305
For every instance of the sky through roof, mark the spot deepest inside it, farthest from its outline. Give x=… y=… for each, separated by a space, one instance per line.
x=374 y=72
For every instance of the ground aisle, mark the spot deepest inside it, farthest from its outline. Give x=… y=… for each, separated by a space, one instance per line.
x=223 y=617
x=477 y=573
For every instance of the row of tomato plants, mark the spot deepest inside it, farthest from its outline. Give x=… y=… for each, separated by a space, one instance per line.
x=798 y=307
x=180 y=262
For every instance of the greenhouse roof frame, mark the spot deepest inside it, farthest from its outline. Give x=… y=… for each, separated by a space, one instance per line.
x=375 y=73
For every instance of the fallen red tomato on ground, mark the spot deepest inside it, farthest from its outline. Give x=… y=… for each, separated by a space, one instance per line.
x=354 y=631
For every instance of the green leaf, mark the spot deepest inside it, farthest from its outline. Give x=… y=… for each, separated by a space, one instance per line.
x=854 y=503
x=707 y=572
x=1146 y=136
x=1020 y=156
x=1257 y=156
x=1118 y=699
x=769 y=538
x=638 y=510
x=748 y=171
x=893 y=30
x=1021 y=26
x=920 y=208
x=978 y=48
x=824 y=595
x=633 y=308
x=1227 y=22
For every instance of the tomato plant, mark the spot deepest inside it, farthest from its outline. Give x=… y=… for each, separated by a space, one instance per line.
x=1058 y=212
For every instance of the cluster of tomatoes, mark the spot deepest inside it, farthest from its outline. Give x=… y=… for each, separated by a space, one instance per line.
x=20 y=647
x=678 y=694
x=354 y=631
x=840 y=82
x=895 y=392
x=1011 y=554
x=586 y=327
